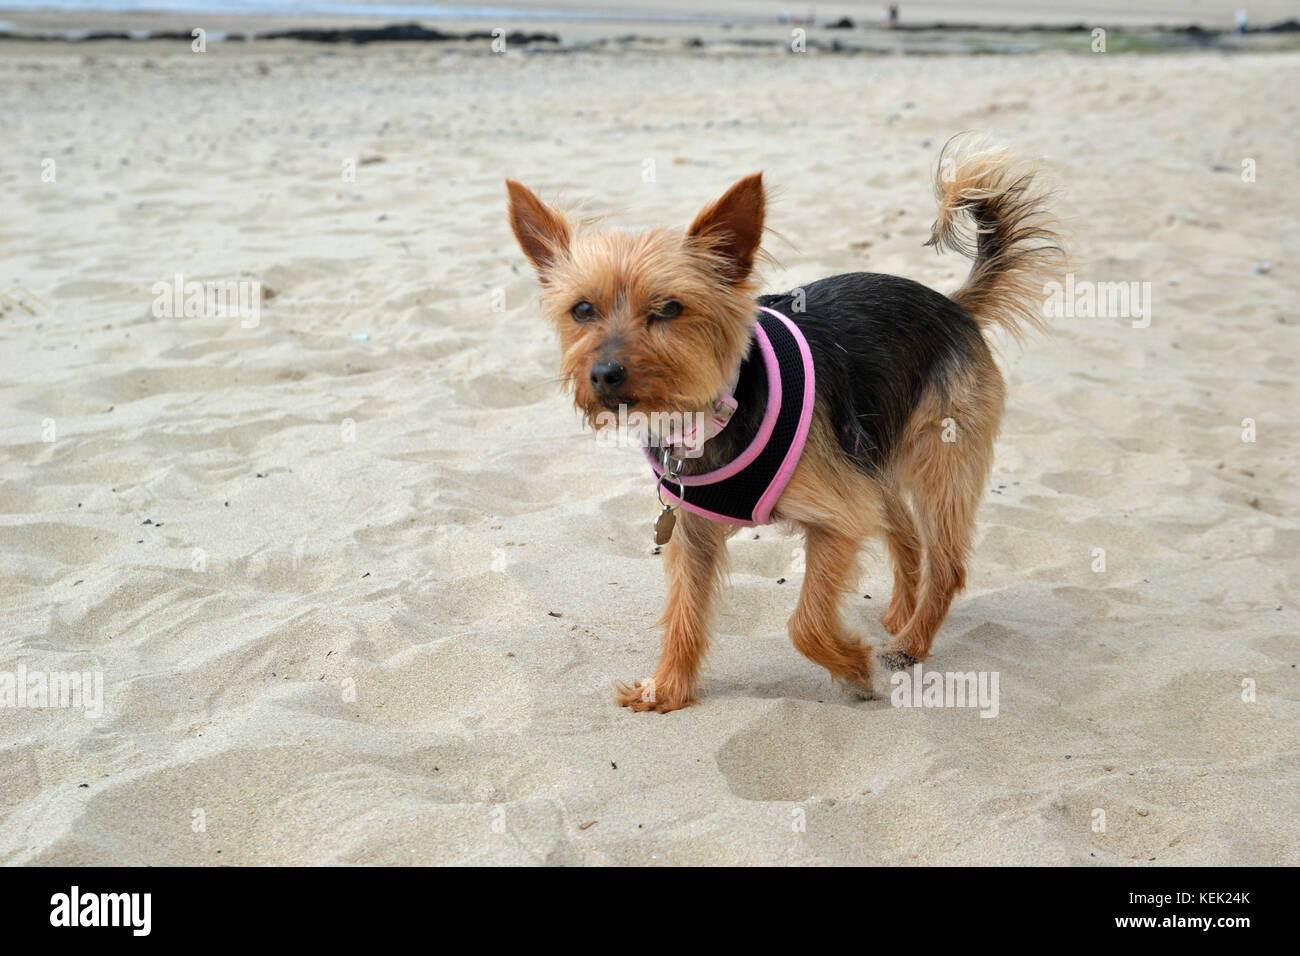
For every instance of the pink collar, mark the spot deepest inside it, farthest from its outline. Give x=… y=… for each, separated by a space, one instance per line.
x=689 y=442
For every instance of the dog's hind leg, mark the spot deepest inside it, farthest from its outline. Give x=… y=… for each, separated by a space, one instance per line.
x=831 y=561
x=904 y=542
x=949 y=453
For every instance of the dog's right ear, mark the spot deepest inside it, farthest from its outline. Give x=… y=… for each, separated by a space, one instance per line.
x=542 y=232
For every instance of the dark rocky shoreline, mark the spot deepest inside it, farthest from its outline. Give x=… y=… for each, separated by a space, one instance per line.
x=873 y=38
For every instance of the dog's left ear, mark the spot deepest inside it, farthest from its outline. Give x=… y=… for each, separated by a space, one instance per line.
x=542 y=232
x=733 y=226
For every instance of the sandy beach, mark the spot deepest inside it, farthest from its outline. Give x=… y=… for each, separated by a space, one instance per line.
x=358 y=585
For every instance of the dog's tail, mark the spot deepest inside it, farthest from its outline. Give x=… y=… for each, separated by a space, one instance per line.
x=993 y=209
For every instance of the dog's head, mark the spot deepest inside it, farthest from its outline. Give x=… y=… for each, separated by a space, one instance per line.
x=658 y=321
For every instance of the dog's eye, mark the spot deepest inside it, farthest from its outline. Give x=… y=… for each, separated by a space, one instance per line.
x=583 y=312
x=669 y=310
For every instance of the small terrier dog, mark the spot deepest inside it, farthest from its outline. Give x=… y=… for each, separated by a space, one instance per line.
x=903 y=397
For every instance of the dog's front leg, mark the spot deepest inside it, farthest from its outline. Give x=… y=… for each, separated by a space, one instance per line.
x=694 y=559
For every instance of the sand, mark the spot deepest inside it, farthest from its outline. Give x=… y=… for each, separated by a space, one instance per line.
x=358 y=585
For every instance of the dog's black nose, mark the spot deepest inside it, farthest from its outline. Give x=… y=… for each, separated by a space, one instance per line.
x=608 y=376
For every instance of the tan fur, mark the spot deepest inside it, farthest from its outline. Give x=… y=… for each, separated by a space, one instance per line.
x=993 y=209
x=905 y=552
x=946 y=482
x=923 y=505
x=626 y=276
x=694 y=561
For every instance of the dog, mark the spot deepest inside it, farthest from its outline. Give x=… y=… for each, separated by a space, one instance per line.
x=889 y=398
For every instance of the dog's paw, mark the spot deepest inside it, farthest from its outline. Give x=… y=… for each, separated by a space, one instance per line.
x=858 y=688
x=650 y=694
x=852 y=671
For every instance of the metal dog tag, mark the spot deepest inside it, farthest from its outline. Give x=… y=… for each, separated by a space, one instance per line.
x=667 y=519
x=664 y=525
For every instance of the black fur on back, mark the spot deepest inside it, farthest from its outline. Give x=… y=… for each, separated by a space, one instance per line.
x=877 y=341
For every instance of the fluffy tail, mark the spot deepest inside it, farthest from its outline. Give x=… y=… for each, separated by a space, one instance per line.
x=992 y=208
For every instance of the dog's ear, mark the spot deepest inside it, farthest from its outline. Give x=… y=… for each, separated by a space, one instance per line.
x=542 y=232
x=733 y=226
